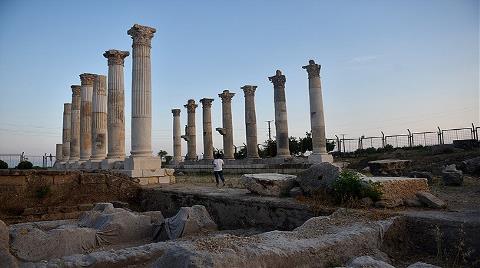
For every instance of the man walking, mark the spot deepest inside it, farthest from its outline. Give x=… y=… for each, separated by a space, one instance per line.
x=218 y=169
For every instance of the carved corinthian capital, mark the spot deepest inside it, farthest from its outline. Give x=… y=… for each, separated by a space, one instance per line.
x=176 y=112
x=313 y=69
x=76 y=89
x=278 y=80
x=141 y=35
x=87 y=79
x=191 y=106
x=249 y=90
x=226 y=96
x=206 y=103
x=116 y=57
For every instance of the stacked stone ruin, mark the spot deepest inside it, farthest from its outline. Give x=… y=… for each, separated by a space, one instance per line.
x=94 y=122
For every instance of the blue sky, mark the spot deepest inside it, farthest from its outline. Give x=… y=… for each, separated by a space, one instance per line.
x=386 y=65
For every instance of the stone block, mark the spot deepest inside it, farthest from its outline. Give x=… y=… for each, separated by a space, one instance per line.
x=135 y=163
x=269 y=184
x=153 y=180
x=169 y=171
x=399 y=188
x=13 y=180
x=430 y=200
x=389 y=167
x=110 y=163
x=319 y=158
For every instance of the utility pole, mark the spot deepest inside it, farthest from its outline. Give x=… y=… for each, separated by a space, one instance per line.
x=269 y=129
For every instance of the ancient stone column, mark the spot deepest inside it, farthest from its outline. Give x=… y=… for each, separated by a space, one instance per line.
x=177 y=133
x=75 y=127
x=86 y=116
x=227 y=130
x=250 y=121
x=191 y=131
x=141 y=137
x=207 y=128
x=58 y=154
x=99 y=118
x=317 y=118
x=116 y=104
x=67 y=131
x=281 y=123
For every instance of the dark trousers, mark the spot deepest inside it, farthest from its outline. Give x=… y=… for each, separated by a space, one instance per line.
x=219 y=174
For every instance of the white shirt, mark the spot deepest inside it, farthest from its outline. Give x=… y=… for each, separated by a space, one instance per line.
x=217 y=164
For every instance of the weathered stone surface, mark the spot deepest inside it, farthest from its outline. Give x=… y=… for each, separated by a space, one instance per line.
x=389 y=167
x=6 y=258
x=4 y=236
x=451 y=176
x=269 y=184
x=391 y=203
x=318 y=177
x=421 y=174
x=422 y=265
x=295 y=192
x=430 y=200
x=367 y=261
x=188 y=221
x=412 y=202
x=399 y=188
x=471 y=166
x=366 y=202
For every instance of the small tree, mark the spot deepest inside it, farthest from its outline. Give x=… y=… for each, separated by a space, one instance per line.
x=3 y=164
x=24 y=165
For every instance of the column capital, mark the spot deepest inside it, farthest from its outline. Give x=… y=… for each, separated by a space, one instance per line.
x=100 y=83
x=226 y=96
x=206 y=102
x=313 y=69
x=141 y=35
x=249 y=90
x=67 y=107
x=87 y=79
x=176 y=112
x=191 y=106
x=76 y=89
x=116 y=57
x=278 y=80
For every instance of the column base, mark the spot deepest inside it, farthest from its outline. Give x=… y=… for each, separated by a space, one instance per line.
x=93 y=164
x=147 y=170
x=112 y=163
x=73 y=165
x=316 y=158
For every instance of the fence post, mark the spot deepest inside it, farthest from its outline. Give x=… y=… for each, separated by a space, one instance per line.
x=383 y=139
x=440 y=134
x=410 y=138
x=339 y=146
x=360 y=143
x=473 y=132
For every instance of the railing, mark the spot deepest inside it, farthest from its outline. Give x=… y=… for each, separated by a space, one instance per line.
x=409 y=139
x=44 y=161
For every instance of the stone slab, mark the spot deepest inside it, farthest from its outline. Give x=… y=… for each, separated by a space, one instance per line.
x=269 y=184
x=136 y=163
x=399 y=188
x=319 y=158
x=111 y=164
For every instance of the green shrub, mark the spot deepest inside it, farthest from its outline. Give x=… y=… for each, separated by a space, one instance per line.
x=349 y=186
x=24 y=165
x=3 y=164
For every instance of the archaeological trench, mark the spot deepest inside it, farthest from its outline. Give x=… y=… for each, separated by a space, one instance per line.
x=98 y=207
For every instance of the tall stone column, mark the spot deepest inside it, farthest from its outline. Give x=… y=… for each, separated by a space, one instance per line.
x=99 y=120
x=317 y=117
x=281 y=122
x=58 y=155
x=207 y=128
x=86 y=116
x=75 y=132
x=191 y=131
x=67 y=131
x=227 y=130
x=116 y=104
x=141 y=91
x=141 y=163
x=177 y=133
x=250 y=121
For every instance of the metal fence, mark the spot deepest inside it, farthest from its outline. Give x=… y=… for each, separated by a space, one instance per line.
x=408 y=139
x=44 y=161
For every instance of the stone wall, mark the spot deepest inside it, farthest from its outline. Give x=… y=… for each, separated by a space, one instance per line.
x=242 y=167
x=233 y=210
x=27 y=195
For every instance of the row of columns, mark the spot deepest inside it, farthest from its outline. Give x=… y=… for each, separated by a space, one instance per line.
x=317 y=120
x=96 y=114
